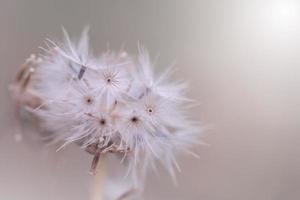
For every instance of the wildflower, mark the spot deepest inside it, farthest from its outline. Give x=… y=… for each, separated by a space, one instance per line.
x=112 y=103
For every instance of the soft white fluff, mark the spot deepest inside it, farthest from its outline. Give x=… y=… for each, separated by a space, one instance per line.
x=113 y=99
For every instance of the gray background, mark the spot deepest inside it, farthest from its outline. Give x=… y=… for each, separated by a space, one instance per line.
x=241 y=59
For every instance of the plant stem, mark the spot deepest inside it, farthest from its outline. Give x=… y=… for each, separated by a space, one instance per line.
x=99 y=178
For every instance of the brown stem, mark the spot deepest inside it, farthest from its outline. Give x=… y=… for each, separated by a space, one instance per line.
x=94 y=164
x=127 y=194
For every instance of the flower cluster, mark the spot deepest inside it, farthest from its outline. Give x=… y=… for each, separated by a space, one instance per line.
x=111 y=103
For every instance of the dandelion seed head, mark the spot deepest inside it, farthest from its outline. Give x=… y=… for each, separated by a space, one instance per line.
x=114 y=102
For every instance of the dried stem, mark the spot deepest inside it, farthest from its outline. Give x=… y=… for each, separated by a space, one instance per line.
x=127 y=194
x=95 y=164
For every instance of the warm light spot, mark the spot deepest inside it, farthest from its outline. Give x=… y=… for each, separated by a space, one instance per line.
x=285 y=12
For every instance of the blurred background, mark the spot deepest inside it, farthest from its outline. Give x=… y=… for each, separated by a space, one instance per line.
x=241 y=59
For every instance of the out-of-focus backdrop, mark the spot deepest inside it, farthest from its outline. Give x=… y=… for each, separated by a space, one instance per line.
x=241 y=58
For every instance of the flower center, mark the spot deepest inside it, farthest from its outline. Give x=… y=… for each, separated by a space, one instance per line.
x=134 y=119
x=102 y=122
x=88 y=100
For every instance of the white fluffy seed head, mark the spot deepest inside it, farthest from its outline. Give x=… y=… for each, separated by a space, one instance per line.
x=112 y=100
